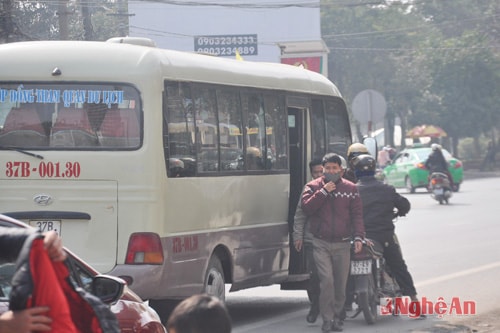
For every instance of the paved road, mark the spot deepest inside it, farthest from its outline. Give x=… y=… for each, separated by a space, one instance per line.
x=452 y=253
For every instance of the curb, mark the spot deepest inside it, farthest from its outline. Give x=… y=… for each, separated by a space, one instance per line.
x=474 y=173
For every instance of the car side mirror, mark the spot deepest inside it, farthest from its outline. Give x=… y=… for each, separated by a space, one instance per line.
x=108 y=288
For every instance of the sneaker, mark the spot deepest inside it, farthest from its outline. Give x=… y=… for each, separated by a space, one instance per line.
x=312 y=315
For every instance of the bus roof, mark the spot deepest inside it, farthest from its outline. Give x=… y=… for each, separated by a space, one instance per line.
x=120 y=62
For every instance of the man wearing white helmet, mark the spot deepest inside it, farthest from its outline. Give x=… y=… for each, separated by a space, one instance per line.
x=437 y=163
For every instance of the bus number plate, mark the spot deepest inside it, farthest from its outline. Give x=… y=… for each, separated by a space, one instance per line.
x=44 y=226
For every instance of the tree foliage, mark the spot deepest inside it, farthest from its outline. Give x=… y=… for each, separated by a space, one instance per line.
x=435 y=61
x=62 y=19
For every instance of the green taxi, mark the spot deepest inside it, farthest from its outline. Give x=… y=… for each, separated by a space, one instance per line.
x=407 y=169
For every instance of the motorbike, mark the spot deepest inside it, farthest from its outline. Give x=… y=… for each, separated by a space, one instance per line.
x=439 y=187
x=371 y=281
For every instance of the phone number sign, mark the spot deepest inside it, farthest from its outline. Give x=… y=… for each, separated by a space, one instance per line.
x=226 y=45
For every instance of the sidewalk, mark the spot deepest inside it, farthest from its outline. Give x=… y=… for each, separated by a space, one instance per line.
x=484 y=323
x=475 y=173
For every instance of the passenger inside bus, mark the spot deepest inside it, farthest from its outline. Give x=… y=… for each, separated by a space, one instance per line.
x=72 y=129
x=23 y=128
x=254 y=159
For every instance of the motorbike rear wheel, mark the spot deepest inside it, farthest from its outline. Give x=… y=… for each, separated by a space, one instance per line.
x=368 y=302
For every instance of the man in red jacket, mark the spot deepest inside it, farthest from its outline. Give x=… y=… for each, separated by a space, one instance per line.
x=335 y=215
x=32 y=319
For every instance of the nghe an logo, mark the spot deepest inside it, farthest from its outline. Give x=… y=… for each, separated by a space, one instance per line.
x=415 y=309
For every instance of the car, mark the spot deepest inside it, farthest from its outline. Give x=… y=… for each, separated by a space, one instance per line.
x=407 y=169
x=132 y=313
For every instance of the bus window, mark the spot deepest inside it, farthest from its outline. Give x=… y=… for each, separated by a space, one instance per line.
x=276 y=132
x=206 y=128
x=318 y=148
x=22 y=126
x=338 y=132
x=330 y=128
x=230 y=128
x=253 y=108
x=70 y=116
x=181 y=134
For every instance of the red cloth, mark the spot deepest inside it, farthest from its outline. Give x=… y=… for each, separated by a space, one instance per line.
x=47 y=291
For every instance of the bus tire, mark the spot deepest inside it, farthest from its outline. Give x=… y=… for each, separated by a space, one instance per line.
x=215 y=283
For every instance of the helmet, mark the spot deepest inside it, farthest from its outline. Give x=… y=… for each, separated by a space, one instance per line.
x=435 y=146
x=364 y=164
x=344 y=163
x=356 y=149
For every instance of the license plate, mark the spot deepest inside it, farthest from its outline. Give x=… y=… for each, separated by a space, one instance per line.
x=361 y=267
x=44 y=226
x=439 y=191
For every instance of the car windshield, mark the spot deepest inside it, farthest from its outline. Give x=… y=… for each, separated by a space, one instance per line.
x=423 y=153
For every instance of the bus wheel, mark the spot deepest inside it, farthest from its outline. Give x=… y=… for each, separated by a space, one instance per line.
x=214 y=279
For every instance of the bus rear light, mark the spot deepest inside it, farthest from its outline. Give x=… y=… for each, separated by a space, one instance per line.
x=144 y=248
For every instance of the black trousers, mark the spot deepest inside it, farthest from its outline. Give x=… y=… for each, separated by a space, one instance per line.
x=394 y=259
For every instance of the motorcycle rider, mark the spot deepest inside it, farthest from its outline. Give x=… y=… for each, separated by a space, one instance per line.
x=354 y=150
x=437 y=163
x=379 y=201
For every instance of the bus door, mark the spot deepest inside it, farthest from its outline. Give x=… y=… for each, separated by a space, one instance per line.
x=298 y=169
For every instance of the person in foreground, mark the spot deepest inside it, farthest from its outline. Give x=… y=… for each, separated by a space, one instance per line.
x=201 y=313
x=335 y=217
x=32 y=319
x=379 y=201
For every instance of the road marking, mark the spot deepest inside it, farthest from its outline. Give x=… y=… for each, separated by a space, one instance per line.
x=459 y=274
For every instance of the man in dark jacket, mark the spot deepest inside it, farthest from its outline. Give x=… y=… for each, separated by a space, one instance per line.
x=379 y=201
x=335 y=217
x=33 y=319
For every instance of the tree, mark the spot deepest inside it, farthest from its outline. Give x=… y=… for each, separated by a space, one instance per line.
x=435 y=61
x=65 y=19
x=371 y=47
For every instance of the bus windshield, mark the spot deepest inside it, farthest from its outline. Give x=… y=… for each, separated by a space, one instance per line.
x=69 y=116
